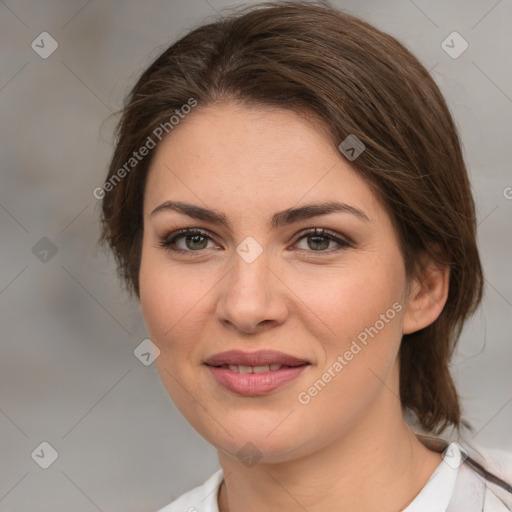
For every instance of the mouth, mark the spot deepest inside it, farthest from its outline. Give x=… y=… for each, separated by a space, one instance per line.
x=254 y=373
x=240 y=368
x=260 y=358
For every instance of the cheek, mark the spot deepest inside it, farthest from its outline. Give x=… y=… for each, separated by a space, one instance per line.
x=350 y=300
x=169 y=303
x=167 y=292
x=163 y=300
x=362 y=305
x=173 y=302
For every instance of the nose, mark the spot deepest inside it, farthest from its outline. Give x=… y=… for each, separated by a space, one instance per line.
x=252 y=298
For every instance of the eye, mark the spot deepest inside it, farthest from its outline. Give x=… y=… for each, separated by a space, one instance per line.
x=194 y=240
x=319 y=240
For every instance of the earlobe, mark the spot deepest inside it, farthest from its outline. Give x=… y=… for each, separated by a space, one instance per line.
x=427 y=297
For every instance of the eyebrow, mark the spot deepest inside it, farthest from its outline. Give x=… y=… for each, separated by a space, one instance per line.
x=282 y=218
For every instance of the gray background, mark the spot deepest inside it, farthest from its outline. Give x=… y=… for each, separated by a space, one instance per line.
x=68 y=373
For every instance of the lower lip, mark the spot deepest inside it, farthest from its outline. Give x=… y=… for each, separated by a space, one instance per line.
x=254 y=384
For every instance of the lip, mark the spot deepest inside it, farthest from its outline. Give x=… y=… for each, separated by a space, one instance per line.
x=254 y=384
x=258 y=358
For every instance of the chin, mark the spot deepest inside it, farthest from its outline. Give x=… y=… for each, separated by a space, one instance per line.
x=255 y=440
x=258 y=450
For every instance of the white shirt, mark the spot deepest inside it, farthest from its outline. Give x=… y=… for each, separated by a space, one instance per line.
x=453 y=487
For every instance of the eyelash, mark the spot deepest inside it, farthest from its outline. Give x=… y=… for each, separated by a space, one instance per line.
x=168 y=241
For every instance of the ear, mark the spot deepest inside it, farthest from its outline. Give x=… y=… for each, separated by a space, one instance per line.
x=427 y=296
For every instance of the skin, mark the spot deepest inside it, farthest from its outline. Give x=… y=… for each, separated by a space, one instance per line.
x=349 y=447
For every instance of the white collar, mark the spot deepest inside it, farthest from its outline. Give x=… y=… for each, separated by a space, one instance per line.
x=434 y=497
x=437 y=492
x=440 y=493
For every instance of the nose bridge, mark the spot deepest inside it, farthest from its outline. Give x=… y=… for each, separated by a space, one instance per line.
x=250 y=296
x=251 y=270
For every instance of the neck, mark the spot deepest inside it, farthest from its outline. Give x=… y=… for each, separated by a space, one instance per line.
x=378 y=465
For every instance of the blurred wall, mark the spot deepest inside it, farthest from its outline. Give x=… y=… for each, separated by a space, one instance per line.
x=68 y=374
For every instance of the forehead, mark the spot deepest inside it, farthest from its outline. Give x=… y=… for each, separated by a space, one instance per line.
x=249 y=159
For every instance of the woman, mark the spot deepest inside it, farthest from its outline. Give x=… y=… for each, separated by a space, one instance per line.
x=289 y=202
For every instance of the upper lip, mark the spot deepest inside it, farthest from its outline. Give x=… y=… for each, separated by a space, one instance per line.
x=258 y=358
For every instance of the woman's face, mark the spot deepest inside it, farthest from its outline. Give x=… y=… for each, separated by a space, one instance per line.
x=262 y=280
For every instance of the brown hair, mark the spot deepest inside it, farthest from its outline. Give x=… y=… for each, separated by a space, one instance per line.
x=312 y=58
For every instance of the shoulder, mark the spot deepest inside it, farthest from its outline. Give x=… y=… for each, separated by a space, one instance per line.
x=202 y=498
x=473 y=492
